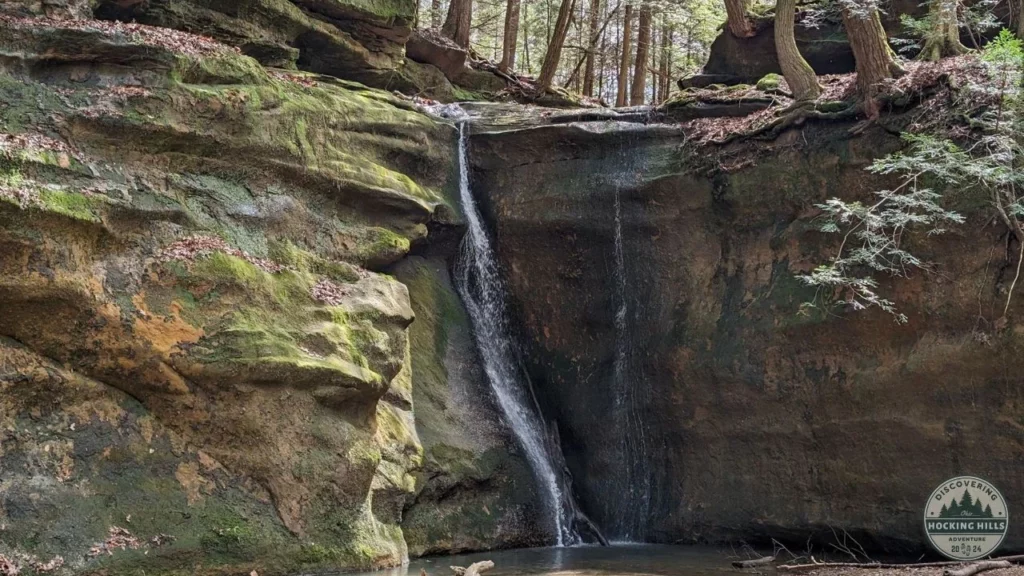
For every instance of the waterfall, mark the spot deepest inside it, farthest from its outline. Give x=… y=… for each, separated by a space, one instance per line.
x=628 y=400
x=479 y=284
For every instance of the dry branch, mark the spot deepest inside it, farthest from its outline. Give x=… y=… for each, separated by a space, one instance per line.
x=972 y=569
x=763 y=561
x=814 y=565
x=474 y=569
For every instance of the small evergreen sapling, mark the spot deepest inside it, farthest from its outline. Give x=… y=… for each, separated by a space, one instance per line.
x=988 y=163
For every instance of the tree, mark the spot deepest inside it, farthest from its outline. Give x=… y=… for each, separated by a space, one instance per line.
x=1019 y=4
x=627 y=21
x=457 y=24
x=942 y=35
x=738 y=18
x=435 y=14
x=981 y=153
x=664 y=72
x=638 y=91
x=508 y=45
x=554 y=54
x=876 y=61
x=799 y=74
x=588 y=70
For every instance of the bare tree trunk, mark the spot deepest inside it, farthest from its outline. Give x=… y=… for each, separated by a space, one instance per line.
x=799 y=74
x=1019 y=7
x=588 y=69
x=526 y=35
x=738 y=18
x=663 y=68
x=457 y=24
x=508 y=43
x=638 y=91
x=944 y=37
x=602 y=60
x=655 y=68
x=554 y=54
x=876 y=61
x=626 y=49
x=435 y=14
x=582 y=44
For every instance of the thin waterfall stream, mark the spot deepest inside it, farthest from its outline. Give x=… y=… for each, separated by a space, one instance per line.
x=627 y=404
x=479 y=284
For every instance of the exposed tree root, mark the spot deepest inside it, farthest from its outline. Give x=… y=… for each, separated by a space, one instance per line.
x=793 y=115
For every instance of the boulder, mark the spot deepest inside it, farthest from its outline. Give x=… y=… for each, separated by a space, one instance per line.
x=59 y=9
x=431 y=47
x=348 y=39
x=819 y=36
x=479 y=80
x=200 y=355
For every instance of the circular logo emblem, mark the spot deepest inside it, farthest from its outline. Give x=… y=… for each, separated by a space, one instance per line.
x=966 y=518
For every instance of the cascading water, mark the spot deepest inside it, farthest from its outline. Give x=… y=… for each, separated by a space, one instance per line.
x=479 y=285
x=629 y=392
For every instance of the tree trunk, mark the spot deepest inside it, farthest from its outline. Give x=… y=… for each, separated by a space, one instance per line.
x=457 y=24
x=876 y=62
x=435 y=14
x=1019 y=5
x=588 y=67
x=602 y=60
x=664 y=76
x=943 y=39
x=526 y=36
x=799 y=74
x=554 y=53
x=508 y=43
x=626 y=49
x=638 y=91
x=738 y=18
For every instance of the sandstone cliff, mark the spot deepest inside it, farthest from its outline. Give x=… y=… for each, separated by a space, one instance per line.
x=745 y=417
x=206 y=364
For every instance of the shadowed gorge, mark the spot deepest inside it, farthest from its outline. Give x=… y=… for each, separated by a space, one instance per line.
x=314 y=287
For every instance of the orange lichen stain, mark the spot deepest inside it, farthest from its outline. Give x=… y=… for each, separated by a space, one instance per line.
x=194 y=483
x=208 y=463
x=107 y=410
x=163 y=333
x=146 y=428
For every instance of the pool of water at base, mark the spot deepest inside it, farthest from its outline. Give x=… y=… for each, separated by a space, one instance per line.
x=616 y=560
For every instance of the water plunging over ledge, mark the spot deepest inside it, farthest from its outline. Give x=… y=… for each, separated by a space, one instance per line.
x=479 y=284
x=636 y=487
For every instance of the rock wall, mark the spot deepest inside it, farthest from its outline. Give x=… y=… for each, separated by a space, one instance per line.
x=204 y=364
x=756 y=420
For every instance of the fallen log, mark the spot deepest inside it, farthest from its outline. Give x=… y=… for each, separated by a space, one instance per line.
x=763 y=561
x=474 y=569
x=972 y=569
x=874 y=565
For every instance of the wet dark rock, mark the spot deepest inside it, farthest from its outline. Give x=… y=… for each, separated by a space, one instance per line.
x=748 y=417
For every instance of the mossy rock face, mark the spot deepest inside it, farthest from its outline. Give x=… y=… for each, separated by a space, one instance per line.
x=473 y=493
x=199 y=345
x=355 y=39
